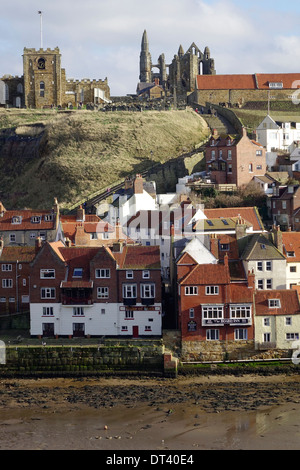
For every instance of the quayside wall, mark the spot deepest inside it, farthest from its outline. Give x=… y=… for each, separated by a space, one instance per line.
x=140 y=357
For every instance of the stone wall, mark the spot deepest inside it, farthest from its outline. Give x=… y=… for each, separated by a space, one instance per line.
x=198 y=351
x=140 y=356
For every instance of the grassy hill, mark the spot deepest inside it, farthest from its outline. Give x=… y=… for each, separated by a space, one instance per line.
x=71 y=155
x=251 y=118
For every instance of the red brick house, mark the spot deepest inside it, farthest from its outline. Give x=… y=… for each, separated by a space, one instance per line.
x=284 y=206
x=15 y=277
x=96 y=291
x=234 y=160
x=213 y=308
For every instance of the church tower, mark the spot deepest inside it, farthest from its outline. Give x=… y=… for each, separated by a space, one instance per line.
x=44 y=79
x=145 y=61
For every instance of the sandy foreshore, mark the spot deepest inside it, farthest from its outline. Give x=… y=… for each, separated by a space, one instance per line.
x=196 y=413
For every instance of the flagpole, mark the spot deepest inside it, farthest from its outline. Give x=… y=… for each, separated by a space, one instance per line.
x=41 y=28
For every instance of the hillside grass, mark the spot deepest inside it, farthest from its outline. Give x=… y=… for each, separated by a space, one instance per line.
x=251 y=118
x=85 y=151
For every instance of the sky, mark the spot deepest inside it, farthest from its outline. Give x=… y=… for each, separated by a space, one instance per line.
x=102 y=38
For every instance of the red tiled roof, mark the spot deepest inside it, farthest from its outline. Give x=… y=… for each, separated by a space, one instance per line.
x=139 y=257
x=291 y=242
x=289 y=302
x=207 y=274
x=246 y=82
x=249 y=214
x=240 y=293
x=26 y=223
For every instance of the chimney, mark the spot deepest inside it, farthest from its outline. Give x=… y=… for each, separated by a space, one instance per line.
x=278 y=238
x=214 y=246
x=80 y=217
x=251 y=279
x=68 y=242
x=2 y=209
x=56 y=212
x=128 y=183
x=226 y=260
x=117 y=247
x=1 y=245
x=240 y=228
x=215 y=134
x=38 y=244
x=244 y=132
x=138 y=186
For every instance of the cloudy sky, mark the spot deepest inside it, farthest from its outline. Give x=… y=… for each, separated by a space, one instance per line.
x=102 y=38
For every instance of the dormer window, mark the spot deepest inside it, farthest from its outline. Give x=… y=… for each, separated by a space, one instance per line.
x=77 y=272
x=274 y=303
x=291 y=254
x=212 y=142
x=36 y=219
x=17 y=219
x=48 y=217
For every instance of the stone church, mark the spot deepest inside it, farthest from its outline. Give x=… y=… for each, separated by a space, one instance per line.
x=180 y=76
x=44 y=84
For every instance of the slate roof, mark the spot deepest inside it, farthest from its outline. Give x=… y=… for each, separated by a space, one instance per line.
x=259 y=247
x=22 y=254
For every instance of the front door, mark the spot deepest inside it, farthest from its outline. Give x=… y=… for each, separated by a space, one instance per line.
x=135 y=331
x=48 y=329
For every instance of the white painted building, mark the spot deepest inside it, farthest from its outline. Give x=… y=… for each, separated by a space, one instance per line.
x=277 y=135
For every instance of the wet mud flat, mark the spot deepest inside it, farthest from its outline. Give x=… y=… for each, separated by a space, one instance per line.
x=184 y=413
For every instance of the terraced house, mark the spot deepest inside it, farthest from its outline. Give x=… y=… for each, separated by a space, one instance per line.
x=23 y=226
x=96 y=291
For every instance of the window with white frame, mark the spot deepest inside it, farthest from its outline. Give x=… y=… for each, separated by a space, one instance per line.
x=129 y=291
x=191 y=290
x=267 y=337
x=7 y=283
x=102 y=292
x=147 y=291
x=6 y=267
x=266 y=321
x=148 y=328
x=47 y=293
x=12 y=237
x=47 y=273
x=48 y=311
x=211 y=290
x=192 y=313
x=212 y=312
x=102 y=273
x=274 y=303
x=16 y=219
x=240 y=334
x=212 y=335
x=268 y=265
x=124 y=328
x=292 y=336
x=240 y=311
x=269 y=283
x=36 y=219
x=146 y=274
x=77 y=272
x=259 y=266
x=129 y=274
x=260 y=284
x=288 y=321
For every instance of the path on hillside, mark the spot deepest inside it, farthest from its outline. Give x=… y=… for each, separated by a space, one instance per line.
x=218 y=122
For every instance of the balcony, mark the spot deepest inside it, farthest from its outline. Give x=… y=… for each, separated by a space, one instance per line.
x=148 y=301
x=76 y=300
x=129 y=301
